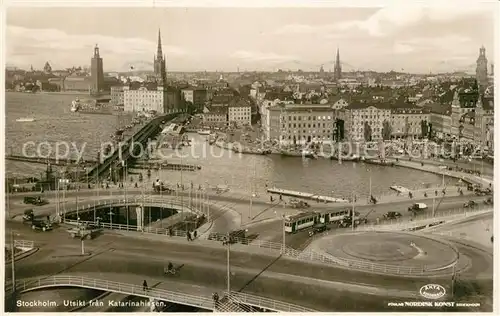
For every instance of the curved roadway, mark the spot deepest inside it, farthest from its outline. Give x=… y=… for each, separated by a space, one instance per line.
x=317 y=286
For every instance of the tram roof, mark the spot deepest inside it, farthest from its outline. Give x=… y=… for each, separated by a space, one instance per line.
x=292 y=218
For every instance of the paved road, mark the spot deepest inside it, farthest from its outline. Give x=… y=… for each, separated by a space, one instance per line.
x=321 y=287
x=272 y=230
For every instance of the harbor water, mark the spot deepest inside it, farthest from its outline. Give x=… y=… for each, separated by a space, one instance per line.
x=54 y=122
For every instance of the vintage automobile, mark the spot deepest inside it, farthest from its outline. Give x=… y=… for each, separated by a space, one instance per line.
x=417 y=207
x=34 y=200
x=392 y=215
x=28 y=215
x=294 y=203
x=41 y=225
x=470 y=204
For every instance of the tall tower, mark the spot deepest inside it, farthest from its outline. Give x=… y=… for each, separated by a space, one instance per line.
x=160 y=62
x=337 y=70
x=96 y=72
x=482 y=69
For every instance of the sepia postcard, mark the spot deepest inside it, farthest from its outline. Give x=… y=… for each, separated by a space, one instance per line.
x=295 y=158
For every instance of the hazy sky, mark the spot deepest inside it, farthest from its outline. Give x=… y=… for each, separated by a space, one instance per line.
x=413 y=38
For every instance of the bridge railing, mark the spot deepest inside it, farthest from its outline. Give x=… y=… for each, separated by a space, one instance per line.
x=266 y=303
x=114 y=226
x=111 y=286
x=24 y=244
x=155 y=293
x=426 y=218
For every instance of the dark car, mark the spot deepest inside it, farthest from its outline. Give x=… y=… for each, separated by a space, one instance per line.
x=470 y=204
x=41 y=225
x=318 y=228
x=392 y=215
x=34 y=200
x=28 y=215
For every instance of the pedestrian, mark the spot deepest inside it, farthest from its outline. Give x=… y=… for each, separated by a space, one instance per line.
x=188 y=235
x=271 y=198
x=281 y=197
x=436 y=192
x=215 y=297
x=195 y=234
x=144 y=286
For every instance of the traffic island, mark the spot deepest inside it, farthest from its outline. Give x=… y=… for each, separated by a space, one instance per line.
x=391 y=253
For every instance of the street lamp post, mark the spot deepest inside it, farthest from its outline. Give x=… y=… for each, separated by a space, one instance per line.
x=228 y=244
x=111 y=219
x=83 y=246
x=12 y=261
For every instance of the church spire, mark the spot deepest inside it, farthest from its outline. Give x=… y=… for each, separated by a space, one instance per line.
x=159 y=53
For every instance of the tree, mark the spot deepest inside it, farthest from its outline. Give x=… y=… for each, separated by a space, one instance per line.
x=368 y=132
x=386 y=130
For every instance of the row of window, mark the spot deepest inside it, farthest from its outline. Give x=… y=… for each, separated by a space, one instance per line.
x=298 y=137
x=325 y=131
x=299 y=125
x=309 y=118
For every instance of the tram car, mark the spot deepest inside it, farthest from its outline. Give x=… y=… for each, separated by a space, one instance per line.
x=303 y=220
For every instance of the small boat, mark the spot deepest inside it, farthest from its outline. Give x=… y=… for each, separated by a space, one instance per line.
x=25 y=119
x=204 y=132
x=308 y=154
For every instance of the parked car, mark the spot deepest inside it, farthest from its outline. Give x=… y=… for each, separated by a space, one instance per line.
x=480 y=192
x=392 y=215
x=41 y=225
x=417 y=207
x=28 y=215
x=470 y=204
x=294 y=203
x=34 y=200
x=83 y=231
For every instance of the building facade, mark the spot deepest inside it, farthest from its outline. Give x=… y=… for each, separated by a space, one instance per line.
x=299 y=124
x=96 y=73
x=409 y=121
x=215 y=116
x=240 y=112
x=364 y=121
x=117 y=95
x=150 y=97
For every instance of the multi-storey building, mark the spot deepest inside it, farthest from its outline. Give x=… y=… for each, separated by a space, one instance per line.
x=409 y=121
x=464 y=101
x=294 y=124
x=215 y=116
x=117 y=95
x=364 y=122
x=440 y=120
x=240 y=111
x=197 y=96
x=145 y=97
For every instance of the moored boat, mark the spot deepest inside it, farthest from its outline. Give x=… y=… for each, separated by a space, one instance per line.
x=25 y=119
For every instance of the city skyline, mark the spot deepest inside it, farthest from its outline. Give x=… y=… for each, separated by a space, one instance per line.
x=409 y=38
